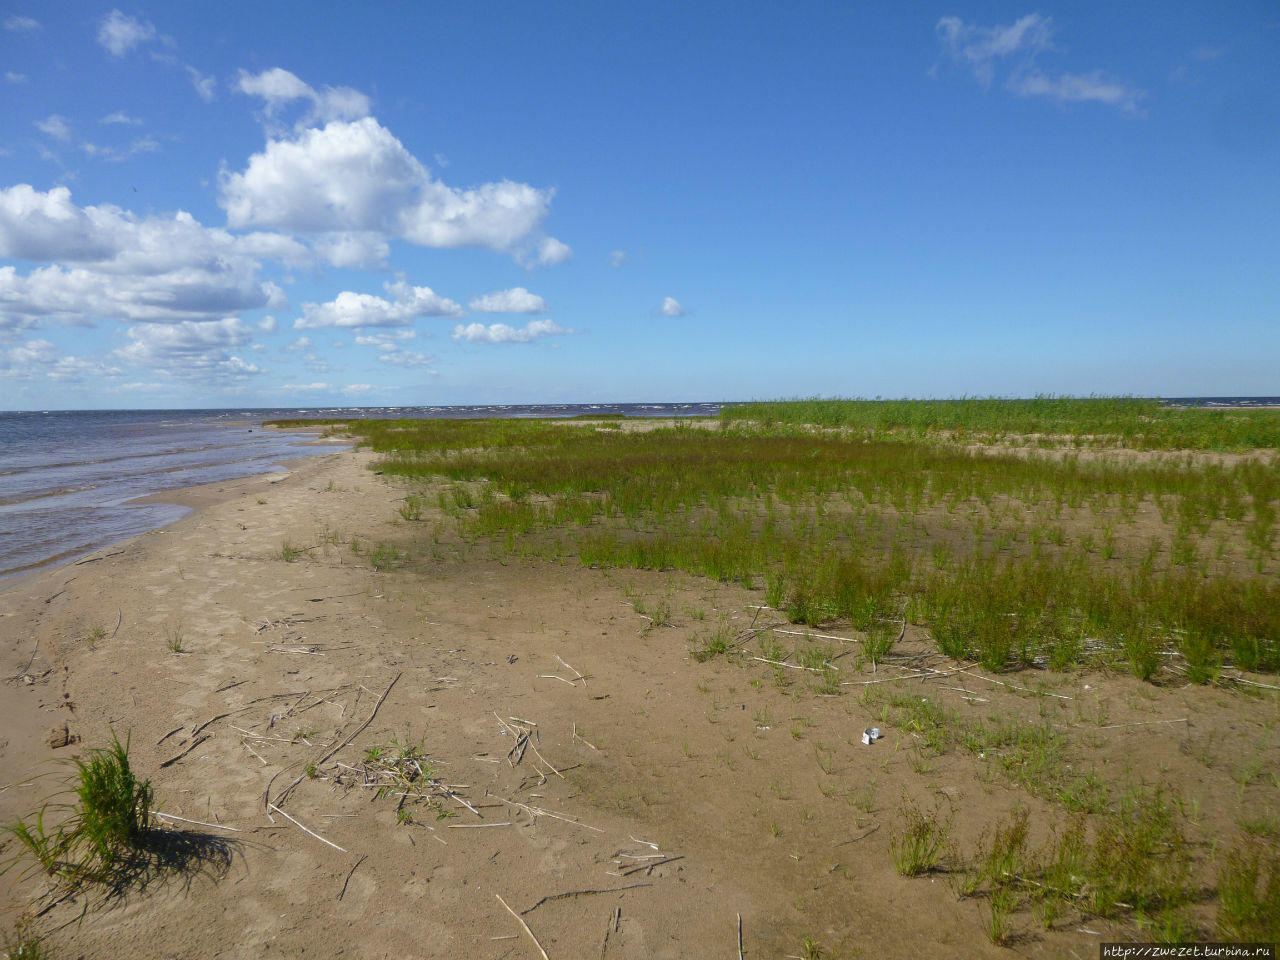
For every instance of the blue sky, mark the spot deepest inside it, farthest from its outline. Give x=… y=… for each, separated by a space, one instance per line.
x=229 y=204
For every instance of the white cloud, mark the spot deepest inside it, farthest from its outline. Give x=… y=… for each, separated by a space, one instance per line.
x=353 y=388
x=349 y=309
x=617 y=258
x=671 y=307
x=55 y=126
x=353 y=248
x=502 y=333
x=551 y=251
x=102 y=261
x=121 y=117
x=204 y=84
x=21 y=24
x=119 y=33
x=1074 y=88
x=39 y=358
x=983 y=49
x=515 y=300
x=301 y=345
x=307 y=386
x=267 y=324
x=980 y=47
x=34 y=351
x=279 y=88
x=189 y=349
x=354 y=176
x=118 y=155
x=405 y=358
x=238 y=367
x=385 y=340
x=15 y=77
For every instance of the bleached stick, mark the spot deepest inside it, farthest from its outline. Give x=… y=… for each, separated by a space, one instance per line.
x=792 y=666
x=198 y=823
x=547 y=762
x=908 y=676
x=304 y=829
x=520 y=920
x=574 y=669
x=1011 y=686
x=552 y=676
x=819 y=636
x=1141 y=723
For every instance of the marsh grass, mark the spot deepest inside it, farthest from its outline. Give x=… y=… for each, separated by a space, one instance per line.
x=919 y=839
x=837 y=528
x=1129 y=859
x=1249 y=894
x=1052 y=421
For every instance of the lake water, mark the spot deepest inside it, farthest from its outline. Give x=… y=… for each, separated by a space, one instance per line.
x=67 y=477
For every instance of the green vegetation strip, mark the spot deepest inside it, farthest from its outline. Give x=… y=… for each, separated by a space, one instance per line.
x=1009 y=558
x=1103 y=421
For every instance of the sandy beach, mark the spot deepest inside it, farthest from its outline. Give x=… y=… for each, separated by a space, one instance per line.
x=622 y=799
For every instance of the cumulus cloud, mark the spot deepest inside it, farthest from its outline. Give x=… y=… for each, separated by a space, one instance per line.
x=351 y=309
x=617 y=258
x=502 y=333
x=671 y=307
x=121 y=117
x=102 y=261
x=267 y=324
x=515 y=300
x=55 y=126
x=120 y=33
x=551 y=251
x=352 y=248
x=190 y=348
x=353 y=176
x=279 y=88
x=15 y=77
x=39 y=358
x=984 y=49
x=354 y=388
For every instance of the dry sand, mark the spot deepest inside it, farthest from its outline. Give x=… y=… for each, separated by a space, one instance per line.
x=747 y=795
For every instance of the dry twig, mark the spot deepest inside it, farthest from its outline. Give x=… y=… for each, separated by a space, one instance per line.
x=520 y=920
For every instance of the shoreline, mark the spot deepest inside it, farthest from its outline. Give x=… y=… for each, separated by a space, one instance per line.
x=177 y=497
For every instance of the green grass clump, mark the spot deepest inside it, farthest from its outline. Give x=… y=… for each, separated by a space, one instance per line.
x=1249 y=895
x=1127 y=859
x=107 y=824
x=918 y=842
